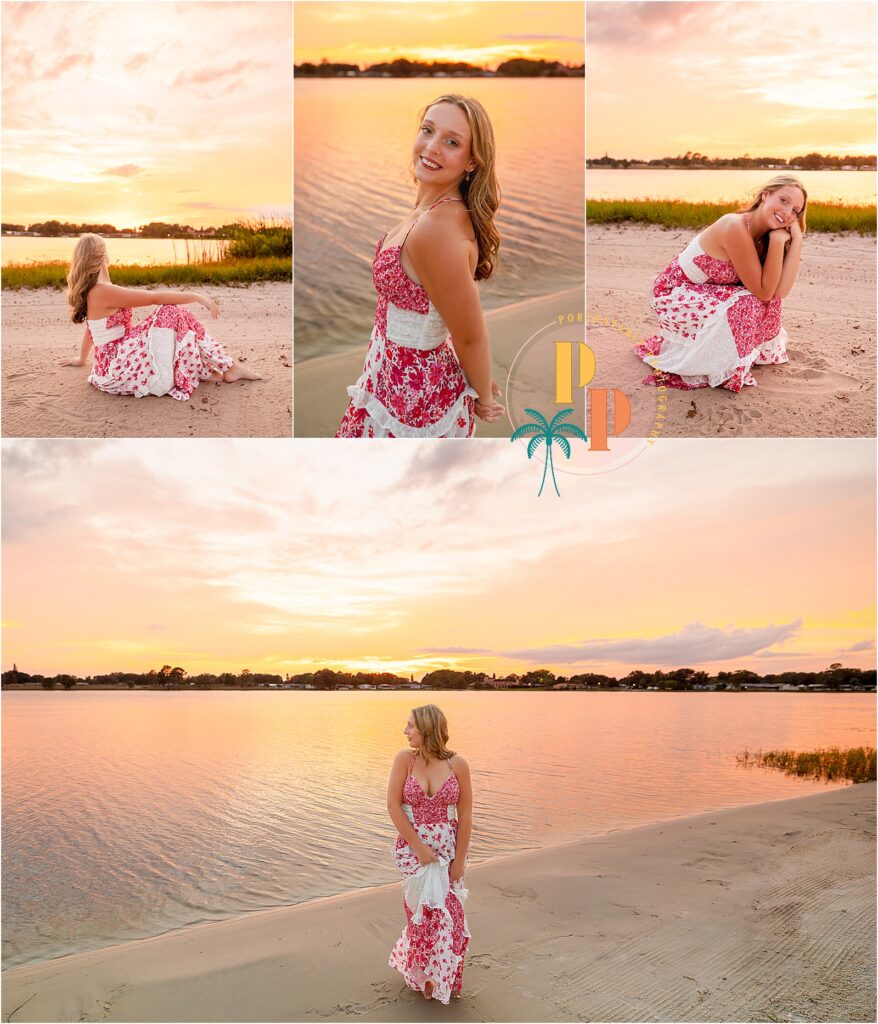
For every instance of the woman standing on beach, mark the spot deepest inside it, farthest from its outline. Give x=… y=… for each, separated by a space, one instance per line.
x=719 y=302
x=168 y=353
x=428 y=367
x=429 y=800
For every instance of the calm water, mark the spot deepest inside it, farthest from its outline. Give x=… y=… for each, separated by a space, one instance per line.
x=852 y=187
x=129 y=814
x=352 y=150
x=16 y=249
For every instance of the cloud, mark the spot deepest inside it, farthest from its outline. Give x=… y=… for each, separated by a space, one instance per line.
x=863 y=645
x=124 y=170
x=636 y=24
x=694 y=644
x=454 y=650
x=216 y=75
x=137 y=61
x=66 y=63
x=539 y=37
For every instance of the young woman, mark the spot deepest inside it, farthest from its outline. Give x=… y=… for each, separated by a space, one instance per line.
x=428 y=368
x=168 y=353
x=429 y=800
x=719 y=302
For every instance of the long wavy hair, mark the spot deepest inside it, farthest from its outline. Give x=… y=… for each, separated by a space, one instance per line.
x=777 y=182
x=431 y=723
x=481 y=193
x=88 y=256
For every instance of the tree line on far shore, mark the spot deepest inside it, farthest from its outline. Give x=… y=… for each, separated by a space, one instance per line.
x=835 y=677
x=808 y=162
x=517 y=67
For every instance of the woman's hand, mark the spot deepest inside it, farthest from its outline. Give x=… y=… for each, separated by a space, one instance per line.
x=73 y=362
x=211 y=306
x=780 y=233
x=796 y=231
x=424 y=854
x=489 y=410
x=456 y=869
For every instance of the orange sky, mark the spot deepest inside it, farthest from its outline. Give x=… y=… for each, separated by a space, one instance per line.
x=222 y=555
x=484 y=34
x=131 y=112
x=725 y=79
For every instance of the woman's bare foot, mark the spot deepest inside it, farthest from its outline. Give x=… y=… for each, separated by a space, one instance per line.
x=239 y=372
x=215 y=375
x=428 y=990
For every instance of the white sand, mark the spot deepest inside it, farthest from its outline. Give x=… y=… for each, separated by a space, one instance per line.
x=827 y=389
x=43 y=399
x=755 y=913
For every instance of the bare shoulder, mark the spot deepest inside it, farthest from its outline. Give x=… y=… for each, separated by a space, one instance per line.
x=730 y=225
x=458 y=762
x=446 y=224
x=402 y=757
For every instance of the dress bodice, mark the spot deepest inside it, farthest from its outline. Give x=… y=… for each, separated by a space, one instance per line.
x=715 y=271
x=404 y=313
x=112 y=327
x=430 y=810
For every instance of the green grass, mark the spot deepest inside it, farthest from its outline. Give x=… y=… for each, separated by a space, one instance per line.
x=678 y=214
x=856 y=764
x=222 y=272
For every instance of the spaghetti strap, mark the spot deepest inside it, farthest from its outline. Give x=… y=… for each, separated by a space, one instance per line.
x=452 y=199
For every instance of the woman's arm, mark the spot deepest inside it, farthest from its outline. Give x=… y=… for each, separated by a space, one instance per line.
x=464 y=818
x=790 y=262
x=398 y=816
x=761 y=279
x=439 y=254
x=114 y=296
x=84 y=350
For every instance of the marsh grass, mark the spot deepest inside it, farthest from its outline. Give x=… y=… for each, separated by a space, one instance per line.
x=261 y=249
x=857 y=764
x=675 y=213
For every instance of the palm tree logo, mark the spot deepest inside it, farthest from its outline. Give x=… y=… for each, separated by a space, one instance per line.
x=542 y=431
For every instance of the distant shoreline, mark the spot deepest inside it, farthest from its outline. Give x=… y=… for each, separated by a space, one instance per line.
x=483 y=688
x=53 y=274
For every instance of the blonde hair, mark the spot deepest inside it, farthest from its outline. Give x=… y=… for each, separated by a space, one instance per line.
x=779 y=181
x=88 y=257
x=481 y=193
x=431 y=723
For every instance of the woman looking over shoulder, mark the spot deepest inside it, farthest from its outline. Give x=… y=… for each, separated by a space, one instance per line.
x=427 y=371
x=719 y=302
x=169 y=352
x=429 y=800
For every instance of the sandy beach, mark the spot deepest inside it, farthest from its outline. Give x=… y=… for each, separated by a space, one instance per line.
x=827 y=389
x=320 y=383
x=43 y=399
x=754 y=913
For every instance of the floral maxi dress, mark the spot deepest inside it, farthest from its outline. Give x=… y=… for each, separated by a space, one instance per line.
x=433 y=943
x=412 y=384
x=168 y=353
x=711 y=328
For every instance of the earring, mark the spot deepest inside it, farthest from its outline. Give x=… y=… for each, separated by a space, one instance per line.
x=469 y=174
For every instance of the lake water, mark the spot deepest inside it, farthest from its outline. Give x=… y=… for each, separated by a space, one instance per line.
x=129 y=814
x=851 y=187
x=353 y=144
x=18 y=249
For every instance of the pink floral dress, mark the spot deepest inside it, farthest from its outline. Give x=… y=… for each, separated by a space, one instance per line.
x=412 y=384
x=433 y=943
x=168 y=353
x=711 y=329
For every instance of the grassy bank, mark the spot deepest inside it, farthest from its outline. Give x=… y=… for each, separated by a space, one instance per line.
x=678 y=214
x=222 y=272
x=856 y=764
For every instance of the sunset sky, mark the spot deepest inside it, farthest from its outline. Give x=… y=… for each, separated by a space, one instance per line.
x=222 y=555
x=725 y=79
x=484 y=34
x=126 y=113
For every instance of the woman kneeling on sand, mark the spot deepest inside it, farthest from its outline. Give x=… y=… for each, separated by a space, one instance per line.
x=430 y=800
x=168 y=353
x=719 y=302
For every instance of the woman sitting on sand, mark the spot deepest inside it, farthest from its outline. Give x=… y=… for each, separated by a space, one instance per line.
x=718 y=303
x=430 y=800
x=168 y=353
x=428 y=367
